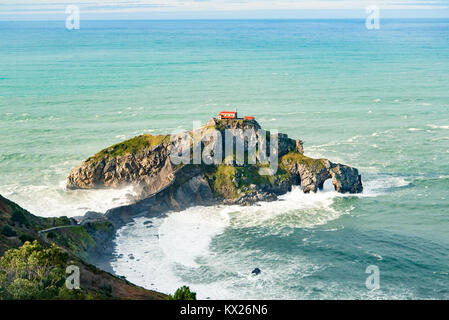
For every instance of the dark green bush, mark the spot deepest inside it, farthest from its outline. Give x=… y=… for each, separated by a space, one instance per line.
x=51 y=235
x=8 y=231
x=19 y=217
x=24 y=238
x=183 y=293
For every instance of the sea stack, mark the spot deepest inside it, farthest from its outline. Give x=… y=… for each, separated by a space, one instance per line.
x=146 y=163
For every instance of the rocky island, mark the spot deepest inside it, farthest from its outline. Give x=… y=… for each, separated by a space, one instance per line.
x=146 y=163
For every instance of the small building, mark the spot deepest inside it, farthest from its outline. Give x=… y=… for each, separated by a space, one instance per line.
x=227 y=115
x=232 y=115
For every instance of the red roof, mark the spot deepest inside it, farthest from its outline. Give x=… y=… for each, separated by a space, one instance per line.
x=227 y=115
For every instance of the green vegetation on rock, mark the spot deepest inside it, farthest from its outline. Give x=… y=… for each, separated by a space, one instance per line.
x=250 y=175
x=224 y=124
x=224 y=183
x=74 y=238
x=130 y=146
x=102 y=226
x=293 y=158
x=231 y=182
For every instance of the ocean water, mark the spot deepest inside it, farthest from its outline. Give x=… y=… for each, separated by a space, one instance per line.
x=374 y=99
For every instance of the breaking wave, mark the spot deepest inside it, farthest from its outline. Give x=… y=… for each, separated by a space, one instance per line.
x=164 y=253
x=54 y=201
x=155 y=252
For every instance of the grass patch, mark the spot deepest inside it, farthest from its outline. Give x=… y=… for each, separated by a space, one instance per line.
x=82 y=236
x=103 y=226
x=231 y=182
x=223 y=184
x=130 y=146
x=250 y=175
x=292 y=158
x=75 y=238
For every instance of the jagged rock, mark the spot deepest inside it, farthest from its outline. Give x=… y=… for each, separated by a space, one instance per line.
x=312 y=173
x=195 y=191
x=256 y=271
x=299 y=146
x=346 y=179
x=91 y=216
x=148 y=167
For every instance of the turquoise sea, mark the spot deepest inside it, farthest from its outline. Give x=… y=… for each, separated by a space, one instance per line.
x=374 y=99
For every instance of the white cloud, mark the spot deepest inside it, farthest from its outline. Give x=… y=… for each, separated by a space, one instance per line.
x=131 y=6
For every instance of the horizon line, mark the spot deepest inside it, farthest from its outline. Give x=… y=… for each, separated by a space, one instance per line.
x=230 y=19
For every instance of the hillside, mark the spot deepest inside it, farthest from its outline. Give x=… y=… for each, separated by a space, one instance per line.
x=18 y=226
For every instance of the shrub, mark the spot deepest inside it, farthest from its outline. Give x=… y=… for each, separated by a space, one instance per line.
x=8 y=231
x=51 y=235
x=19 y=217
x=35 y=272
x=183 y=293
x=24 y=238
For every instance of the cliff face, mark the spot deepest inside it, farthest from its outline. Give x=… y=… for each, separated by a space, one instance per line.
x=147 y=163
x=142 y=161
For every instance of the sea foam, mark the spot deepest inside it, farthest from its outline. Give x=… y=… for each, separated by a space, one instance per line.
x=55 y=201
x=165 y=250
x=179 y=248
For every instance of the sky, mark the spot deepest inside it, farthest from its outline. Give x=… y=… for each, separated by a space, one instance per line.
x=221 y=9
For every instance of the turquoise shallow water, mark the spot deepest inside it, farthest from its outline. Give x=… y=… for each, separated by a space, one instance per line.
x=377 y=100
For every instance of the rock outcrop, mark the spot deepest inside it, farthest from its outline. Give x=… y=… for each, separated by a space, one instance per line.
x=312 y=173
x=222 y=175
x=142 y=161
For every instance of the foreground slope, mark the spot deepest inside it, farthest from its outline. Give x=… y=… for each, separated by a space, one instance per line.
x=18 y=226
